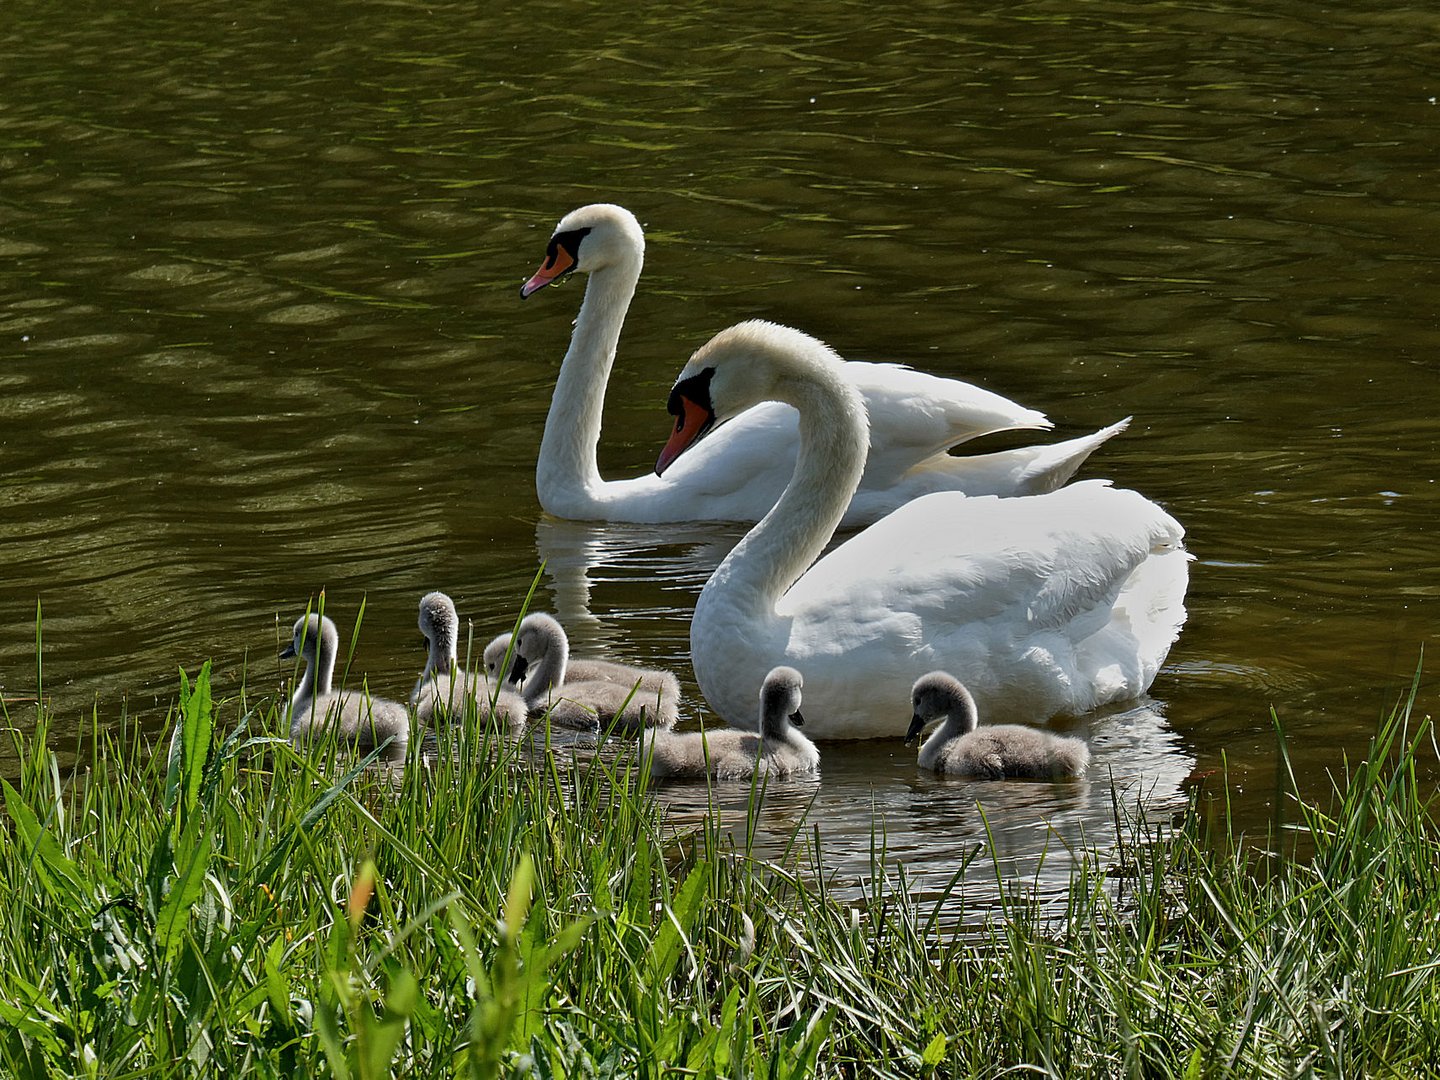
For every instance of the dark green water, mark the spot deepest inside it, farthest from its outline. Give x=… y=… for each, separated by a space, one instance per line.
x=260 y=332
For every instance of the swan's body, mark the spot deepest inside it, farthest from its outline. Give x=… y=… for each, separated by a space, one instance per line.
x=1045 y=604
x=640 y=698
x=740 y=472
x=960 y=747
x=778 y=750
x=353 y=717
x=443 y=690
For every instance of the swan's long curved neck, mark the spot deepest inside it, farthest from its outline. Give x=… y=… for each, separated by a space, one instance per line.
x=568 y=465
x=319 y=672
x=956 y=724
x=550 y=669
x=776 y=731
x=959 y=721
x=441 y=660
x=834 y=438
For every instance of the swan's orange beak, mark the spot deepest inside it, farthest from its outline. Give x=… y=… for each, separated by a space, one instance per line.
x=556 y=265
x=692 y=422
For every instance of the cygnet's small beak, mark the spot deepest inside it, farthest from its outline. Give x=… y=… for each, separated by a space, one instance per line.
x=517 y=669
x=288 y=652
x=797 y=719
x=917 y=725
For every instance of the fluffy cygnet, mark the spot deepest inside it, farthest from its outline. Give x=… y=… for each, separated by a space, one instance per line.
x=355 y=717
x=730 y=754
x=443 y=691
x=619 y=696
x=961 y=748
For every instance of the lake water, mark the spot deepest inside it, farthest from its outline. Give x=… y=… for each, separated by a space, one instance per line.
x=260 y=333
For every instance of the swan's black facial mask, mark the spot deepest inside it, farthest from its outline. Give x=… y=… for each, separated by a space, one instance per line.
x=694 y=417
x=561 y=256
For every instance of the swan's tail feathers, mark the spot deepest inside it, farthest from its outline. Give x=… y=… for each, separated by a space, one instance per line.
x=1025 y=470
x=1051 y=467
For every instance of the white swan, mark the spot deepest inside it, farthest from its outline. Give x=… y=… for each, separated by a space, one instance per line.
x=1043 y=604
x=443 y=690
x=915 y=418
x=541 y=666
x=354 y=716
x=546 y=663
x=779 y=750
x=992 y=752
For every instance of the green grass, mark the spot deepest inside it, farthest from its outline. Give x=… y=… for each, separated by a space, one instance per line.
x=222 y=904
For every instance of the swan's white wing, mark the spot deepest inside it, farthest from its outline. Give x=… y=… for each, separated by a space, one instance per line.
x=974 y=558
x=739 y=470
x=1019 y=598
x=914 y=416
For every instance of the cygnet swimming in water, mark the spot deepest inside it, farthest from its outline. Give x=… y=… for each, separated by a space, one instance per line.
x=960 y=747
x=354 y=716
x=619 y=696
x=443 y=691
x=731 y=754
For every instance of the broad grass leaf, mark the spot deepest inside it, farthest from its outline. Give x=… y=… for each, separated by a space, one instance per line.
x=58 y=874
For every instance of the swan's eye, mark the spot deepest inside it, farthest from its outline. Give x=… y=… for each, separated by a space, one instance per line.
x=564 y=250
x=562 y=255
x=689 y=403
x=557 y=261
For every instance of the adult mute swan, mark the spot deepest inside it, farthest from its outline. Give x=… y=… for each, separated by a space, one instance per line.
x=737 y=476
x=353 y=716
x=779 y=750
x=443 y=689
x=1044 y=604
x=993 y=752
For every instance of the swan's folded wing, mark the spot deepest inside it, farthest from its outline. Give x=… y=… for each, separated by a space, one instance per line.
x=914 y=415
x=946 y=561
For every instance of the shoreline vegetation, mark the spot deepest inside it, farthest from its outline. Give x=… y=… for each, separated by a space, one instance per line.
x=226 y=904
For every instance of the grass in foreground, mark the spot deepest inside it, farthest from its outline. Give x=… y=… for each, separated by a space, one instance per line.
x=227 y=906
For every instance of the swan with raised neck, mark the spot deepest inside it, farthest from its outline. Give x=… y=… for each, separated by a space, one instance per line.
x=1042 y=604
x=741 y=472
x=444 y=689
x=354 y=717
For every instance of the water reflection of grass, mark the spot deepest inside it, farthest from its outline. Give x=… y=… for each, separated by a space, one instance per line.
x=228 y=906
